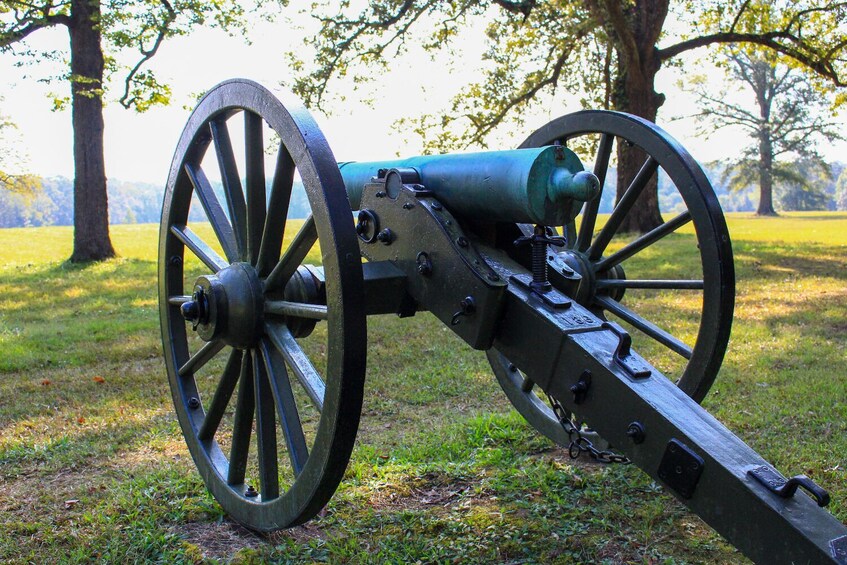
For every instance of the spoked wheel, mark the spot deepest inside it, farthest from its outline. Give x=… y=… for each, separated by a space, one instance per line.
x=623 y=278
x=262 y=321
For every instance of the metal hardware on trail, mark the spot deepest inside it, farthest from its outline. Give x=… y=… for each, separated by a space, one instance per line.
x=579 y=443
x=542 y=237
x=264 y=326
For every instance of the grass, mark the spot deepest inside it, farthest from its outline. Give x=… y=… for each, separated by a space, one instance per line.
x=93 y=465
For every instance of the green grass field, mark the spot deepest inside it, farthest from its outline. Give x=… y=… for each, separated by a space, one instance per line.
x=93 y=465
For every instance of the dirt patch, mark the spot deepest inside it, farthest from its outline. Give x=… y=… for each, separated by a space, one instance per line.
x=424 y=492
x=218 y=540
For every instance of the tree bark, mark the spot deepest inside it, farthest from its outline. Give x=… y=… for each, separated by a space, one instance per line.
x=635 y=93
x=91 y=207
x=765 y=175
x=639 y=98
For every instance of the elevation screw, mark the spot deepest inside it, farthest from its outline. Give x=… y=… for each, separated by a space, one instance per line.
x=542 y=237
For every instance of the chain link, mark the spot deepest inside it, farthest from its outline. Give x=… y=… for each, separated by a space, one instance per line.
x=581 y=444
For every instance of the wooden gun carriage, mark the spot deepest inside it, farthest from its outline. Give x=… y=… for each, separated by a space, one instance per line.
x=505 y=248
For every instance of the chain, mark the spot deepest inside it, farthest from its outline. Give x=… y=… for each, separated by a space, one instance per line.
x=581 y=444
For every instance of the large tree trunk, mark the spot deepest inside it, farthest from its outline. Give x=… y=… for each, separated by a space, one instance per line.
x=638 y=64
x=639 y=98
x=91 y=212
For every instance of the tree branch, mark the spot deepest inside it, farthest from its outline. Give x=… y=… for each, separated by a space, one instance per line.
x=147 y=54
x=30 y=21
x=522 y=7
x=769 y=39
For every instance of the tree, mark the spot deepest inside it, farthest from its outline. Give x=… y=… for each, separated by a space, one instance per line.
x=608 y=49
x=99 y=32
x=841 y=191
x=790 y=118
x=12 y=175
x=804 y=190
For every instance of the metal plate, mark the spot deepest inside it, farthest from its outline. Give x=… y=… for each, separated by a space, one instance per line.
x=680 y=468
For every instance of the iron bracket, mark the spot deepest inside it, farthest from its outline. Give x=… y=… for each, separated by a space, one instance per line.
x=786 y=488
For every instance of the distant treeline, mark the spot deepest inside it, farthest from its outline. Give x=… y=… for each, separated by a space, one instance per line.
x=129 y=203
x=137 y=202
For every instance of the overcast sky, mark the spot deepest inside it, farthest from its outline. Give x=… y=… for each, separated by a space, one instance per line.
x=139 y=147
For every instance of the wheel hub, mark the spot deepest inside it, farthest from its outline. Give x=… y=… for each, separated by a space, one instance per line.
x=587 y=288
x=228 y=306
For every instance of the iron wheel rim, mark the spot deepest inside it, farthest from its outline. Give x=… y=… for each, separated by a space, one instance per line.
x=305 y=149
x=718 y=277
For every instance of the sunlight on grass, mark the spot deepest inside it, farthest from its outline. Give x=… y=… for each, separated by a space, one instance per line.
x=444 y=470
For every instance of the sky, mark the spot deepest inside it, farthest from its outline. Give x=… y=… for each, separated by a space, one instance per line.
x=139 y=147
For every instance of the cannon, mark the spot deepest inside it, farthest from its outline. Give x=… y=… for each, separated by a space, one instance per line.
x=264 y=309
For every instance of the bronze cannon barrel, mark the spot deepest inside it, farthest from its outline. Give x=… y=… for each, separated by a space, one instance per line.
x=545 y=185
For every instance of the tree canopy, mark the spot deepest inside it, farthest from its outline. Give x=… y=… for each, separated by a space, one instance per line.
x=102 y=35
x=608 y=50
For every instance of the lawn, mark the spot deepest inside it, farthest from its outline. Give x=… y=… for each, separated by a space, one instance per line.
x=94 y=468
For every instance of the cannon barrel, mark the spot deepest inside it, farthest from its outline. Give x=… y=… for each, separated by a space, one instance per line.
x=544 y=185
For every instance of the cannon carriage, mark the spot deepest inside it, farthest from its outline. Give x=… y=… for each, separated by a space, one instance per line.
x=503 y=247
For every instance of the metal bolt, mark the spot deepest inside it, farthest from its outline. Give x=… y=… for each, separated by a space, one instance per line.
x=437 y=206
x=380 y=194
x=424 y=264
x=190 y=311
x=385 y=236
x=251 y=492
x=194 y=403
x=408 y=206
x=462 y=241
x=636 y=432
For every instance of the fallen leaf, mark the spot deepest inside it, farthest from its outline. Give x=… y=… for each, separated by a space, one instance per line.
x=70 y=503
x=45 y=382
x=99 y=379
x=80 y=420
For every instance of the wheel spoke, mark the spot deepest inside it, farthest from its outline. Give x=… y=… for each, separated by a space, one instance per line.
x=294 y=256
x=589 y=215
x=242 y=425
x=299 y=362
x=255 y=179
x=203 y=356
x=200 y=248
x=645 y=326
x=223 y=394
x=281 y=187
x=232 y=183
x=296 y=309
x=633 y=191
x=265 y=431
x=672 y=284
x=214 y=212
x=286 y=407
x=642 y=242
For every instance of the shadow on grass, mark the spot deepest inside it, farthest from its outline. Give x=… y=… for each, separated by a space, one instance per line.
x=71 y=316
